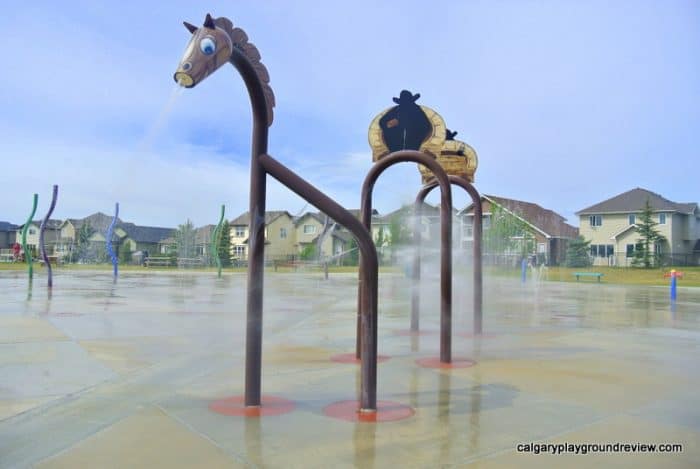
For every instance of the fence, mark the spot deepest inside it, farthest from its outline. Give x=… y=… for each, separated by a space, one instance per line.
x=661 y=260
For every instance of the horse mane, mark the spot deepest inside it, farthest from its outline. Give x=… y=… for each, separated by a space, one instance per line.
x=239 y=39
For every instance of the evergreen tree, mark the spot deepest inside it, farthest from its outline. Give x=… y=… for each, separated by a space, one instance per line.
x=649 y=235
x=84 y=234
x=577 y=253
x=225 y=244
x=185 y=238
x=125 y=253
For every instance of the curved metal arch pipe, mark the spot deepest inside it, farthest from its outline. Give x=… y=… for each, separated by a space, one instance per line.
x=369 y=264
x=42 y=246
x=477 y=253
x=445 y=238
x=27 y=254
x=110 y=247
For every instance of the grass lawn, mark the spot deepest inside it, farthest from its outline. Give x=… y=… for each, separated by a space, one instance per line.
x=611 y=275
x=617 y=275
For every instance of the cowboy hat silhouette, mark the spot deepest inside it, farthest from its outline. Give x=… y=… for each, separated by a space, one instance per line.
x=406 y=97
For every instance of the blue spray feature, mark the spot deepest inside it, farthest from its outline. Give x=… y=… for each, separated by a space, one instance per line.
x=673 y=286
x=42 y=245
x=110 y=233
x=216 y=240
x=523 y=270
x=27 y=253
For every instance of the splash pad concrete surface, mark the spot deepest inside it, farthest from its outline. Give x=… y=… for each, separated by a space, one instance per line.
x=123 y=375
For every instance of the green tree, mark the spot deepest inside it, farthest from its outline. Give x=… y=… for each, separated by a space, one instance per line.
x=185 y=238
x=225 y=244
x=507 y=233
x=650 y=237
x=353 y=253
x=577 y=253
x=82 y=251
x=308 y=253
x=125 y=253
x=398 y=231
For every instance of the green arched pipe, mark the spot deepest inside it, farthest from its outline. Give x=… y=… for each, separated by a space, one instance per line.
x=216 y=240
x=27 y=254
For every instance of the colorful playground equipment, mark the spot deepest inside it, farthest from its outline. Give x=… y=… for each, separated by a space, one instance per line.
x=42 y=246
x=110 y=247
x=25 y=247
x=674 y=275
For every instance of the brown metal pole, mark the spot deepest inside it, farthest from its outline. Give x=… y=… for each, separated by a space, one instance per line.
x=478 y=234
x=256 y=238
x=445 y=233
x=368 y=371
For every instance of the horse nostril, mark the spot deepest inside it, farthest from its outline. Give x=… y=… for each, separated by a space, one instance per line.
x=186 y=66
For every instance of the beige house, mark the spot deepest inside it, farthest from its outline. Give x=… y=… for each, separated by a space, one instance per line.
x=279 y=236
x=611 y=227
x=51 y=235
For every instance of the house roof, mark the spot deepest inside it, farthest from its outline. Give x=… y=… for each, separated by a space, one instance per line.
x=146 y=234
x=98 y=221
x=321 y=217
x=428 y=210
x=624 y=230
x=544 y=220
x=7 y=226
x=634 y=200
x=50 y=224
x=272 y=215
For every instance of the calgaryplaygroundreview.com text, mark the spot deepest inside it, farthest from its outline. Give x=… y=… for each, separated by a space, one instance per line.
x=586 y=448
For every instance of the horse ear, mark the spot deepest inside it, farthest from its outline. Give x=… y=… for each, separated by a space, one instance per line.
x=209 y=22
x=190 y=27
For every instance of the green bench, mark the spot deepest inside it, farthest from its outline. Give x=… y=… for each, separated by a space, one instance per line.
x=587 y=274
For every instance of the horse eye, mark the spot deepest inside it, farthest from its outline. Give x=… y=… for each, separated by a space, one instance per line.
x=207 y=45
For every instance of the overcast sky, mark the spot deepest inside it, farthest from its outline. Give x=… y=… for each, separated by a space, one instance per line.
x=567 y=103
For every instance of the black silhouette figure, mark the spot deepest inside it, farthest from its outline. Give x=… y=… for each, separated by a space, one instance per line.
x=405 y=127
x=449 y=135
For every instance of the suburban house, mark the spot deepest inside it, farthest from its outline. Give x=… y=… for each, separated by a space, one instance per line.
x=201 y=243
x=611 y=226
x=51 y=235
x=126 y=235
x=287 y=237
x=279 y=235
x=551 y=232
x=8 y=234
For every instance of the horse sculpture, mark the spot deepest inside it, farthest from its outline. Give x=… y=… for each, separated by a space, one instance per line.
x=211 y=46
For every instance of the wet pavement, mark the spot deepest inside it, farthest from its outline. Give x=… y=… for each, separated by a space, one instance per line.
x=99 y=374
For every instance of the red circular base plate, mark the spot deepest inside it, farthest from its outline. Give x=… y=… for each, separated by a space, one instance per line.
x=409 y=332
x=387 y=411
x=350 y=358
x=434 y=362
x=236 y=406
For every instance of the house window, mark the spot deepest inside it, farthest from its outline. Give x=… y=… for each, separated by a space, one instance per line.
x=486 y=222
x=470 y=232
x=632 y=219
x=239 y=251
x=630 y=250
x=283 y=233
x=662 y=218
x=602 y=250
x=309 y=229
x=595 y=220
x=32 y=231
x=240 y=231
